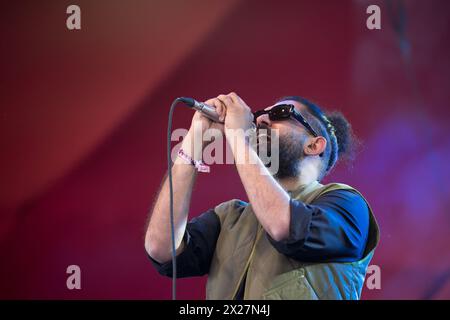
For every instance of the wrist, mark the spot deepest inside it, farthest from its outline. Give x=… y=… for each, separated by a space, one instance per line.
x=237 y=139
x=187 y=159
x=192 y=146
x=239 y=143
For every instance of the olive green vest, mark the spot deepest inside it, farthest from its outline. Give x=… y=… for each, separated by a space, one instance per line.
x=243 y=247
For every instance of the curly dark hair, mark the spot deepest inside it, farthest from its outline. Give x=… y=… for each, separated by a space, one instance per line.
x=342 y=142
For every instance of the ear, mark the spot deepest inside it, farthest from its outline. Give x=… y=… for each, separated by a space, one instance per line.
x=315 y=146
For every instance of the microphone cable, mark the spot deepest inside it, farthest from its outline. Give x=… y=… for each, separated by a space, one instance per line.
x=172 y=223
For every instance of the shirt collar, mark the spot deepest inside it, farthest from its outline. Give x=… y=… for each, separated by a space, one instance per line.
x=302 y=189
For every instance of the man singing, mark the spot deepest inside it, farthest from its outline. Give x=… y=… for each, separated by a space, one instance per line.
x=296 y=238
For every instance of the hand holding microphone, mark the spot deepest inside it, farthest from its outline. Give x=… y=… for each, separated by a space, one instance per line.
x=240 y=115
x=209 y=115
x=212 y=113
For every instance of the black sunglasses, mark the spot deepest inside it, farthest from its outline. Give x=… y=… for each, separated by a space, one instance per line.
x=284 y=112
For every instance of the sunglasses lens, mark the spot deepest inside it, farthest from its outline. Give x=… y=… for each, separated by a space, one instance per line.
x=280 y=112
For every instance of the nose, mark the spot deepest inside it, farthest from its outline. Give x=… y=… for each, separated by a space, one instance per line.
x=263 y=119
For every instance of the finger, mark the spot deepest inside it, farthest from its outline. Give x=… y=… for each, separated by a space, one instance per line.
x=199 y=118
x=215 y=103
x=218 y=105
x=233 y=97
x=210 y=101
x=227 y=101
x=223 y=111
x=220 y=108
x=238 y=100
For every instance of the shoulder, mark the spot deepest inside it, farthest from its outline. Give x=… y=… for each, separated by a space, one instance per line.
x=342 y=191
x=230 y=209
x=345 y=200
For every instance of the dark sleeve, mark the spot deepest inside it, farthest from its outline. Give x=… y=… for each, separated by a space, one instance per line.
x=333 y=228
x=200 y=242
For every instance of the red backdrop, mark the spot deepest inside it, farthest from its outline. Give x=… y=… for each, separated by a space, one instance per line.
x=84 y=119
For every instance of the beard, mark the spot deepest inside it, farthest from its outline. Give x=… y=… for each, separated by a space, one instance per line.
x=290 y=152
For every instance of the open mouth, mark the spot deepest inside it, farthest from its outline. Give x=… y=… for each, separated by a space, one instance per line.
x=263 y=143
x=263 y=140
x=263 y=134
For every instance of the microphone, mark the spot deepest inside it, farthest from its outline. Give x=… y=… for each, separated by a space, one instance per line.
x=206 y=110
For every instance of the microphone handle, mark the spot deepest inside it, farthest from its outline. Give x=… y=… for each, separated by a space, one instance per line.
x=207 y=111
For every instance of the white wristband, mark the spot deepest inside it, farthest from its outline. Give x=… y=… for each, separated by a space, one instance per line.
x=198 y=164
